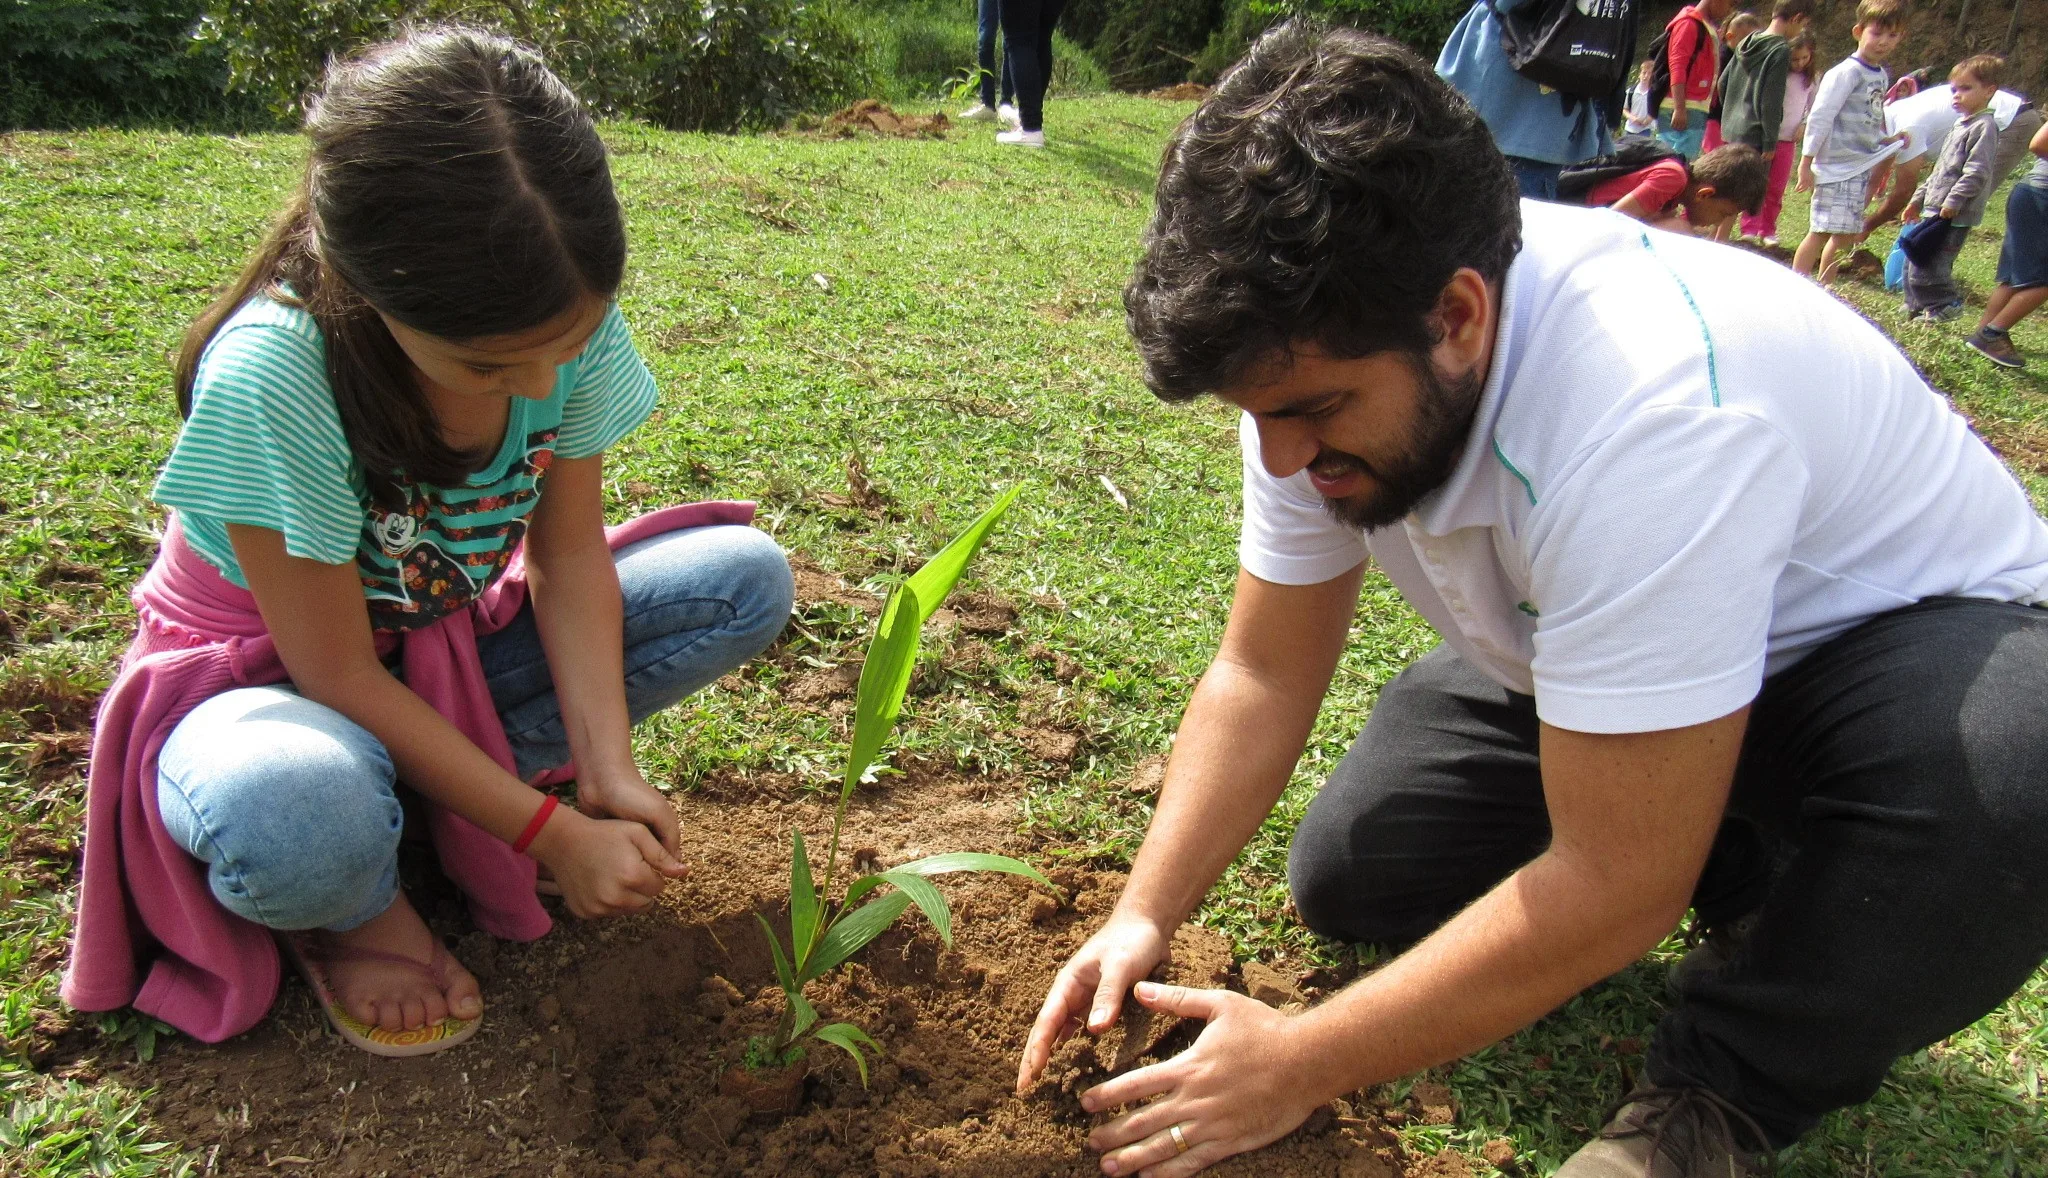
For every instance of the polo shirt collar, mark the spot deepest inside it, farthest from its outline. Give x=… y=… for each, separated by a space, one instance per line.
x=1470 y=497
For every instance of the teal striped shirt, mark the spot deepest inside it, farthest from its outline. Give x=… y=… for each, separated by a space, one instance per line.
x=264 y=447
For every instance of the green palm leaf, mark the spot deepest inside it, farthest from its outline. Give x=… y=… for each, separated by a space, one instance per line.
x=784 y=976
x=938 y=575
x=806 y=1015
x=850 y=1039
x=851 y=932
x=803 y=902
x=884 y=677
x=969 y=861
x=925 y=894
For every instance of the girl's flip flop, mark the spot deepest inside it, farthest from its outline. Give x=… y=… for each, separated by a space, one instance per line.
x=311 y=955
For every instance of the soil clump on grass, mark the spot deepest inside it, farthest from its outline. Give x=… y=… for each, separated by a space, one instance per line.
x=1182 y=92
x=603 y=1043
x=872 y=116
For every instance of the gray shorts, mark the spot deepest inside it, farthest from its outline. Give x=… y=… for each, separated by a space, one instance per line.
x=1838 y=207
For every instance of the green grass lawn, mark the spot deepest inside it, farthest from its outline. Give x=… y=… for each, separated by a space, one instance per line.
x=948 y=314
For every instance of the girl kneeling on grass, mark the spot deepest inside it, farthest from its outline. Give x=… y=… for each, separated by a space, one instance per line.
x=388 y=562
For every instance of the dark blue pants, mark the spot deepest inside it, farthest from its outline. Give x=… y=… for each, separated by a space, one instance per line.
x=989 y=15
x=1888 y=826
x=1536 y=179
x=1027 y=47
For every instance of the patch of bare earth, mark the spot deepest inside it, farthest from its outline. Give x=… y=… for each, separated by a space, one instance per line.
x=603 y=1043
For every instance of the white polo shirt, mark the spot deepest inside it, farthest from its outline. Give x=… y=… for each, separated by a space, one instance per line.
x=1689 y=467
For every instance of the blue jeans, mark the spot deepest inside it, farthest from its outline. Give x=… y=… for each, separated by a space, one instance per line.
x=989 y=14
x=293 y=806
x=1536 y=179
x=1027 y=54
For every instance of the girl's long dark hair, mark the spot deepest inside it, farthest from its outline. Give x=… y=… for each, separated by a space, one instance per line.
x=1806 y=41
x=455 y=185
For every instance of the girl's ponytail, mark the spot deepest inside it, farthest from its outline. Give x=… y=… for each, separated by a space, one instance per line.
x=455 y=185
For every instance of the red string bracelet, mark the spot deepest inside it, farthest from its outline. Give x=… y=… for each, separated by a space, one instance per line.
x=532 y=831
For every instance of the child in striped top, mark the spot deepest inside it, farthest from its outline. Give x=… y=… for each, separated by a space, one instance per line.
x=404 y=398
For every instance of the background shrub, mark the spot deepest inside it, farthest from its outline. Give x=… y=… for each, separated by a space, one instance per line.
x=76 y=63
x=924 y=49
x=1144 y=43
x=1422 y=25
x=693 y=65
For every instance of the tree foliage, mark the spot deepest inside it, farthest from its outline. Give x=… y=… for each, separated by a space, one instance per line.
x=699 y=65
x=72 y=63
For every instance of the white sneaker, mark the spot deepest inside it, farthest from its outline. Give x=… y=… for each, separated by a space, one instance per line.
x=1007 y=112
x=980 y=112
x=1021 y=138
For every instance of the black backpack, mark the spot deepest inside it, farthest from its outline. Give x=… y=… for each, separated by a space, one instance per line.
x=1585 y=48
x=1579 y=179
x=1660 y=59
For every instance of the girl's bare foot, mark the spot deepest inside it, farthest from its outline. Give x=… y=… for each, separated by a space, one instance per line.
x=387 y=994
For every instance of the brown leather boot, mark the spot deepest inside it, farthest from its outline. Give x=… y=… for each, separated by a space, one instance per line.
x=1674 y=1133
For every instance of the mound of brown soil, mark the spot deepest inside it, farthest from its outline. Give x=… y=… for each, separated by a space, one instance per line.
x=603 y=1043
x=1864 y=265
x=1184 y=92
x=872 y=116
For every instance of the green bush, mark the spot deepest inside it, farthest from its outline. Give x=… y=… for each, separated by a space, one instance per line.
x=1075 y=70
x=1143 y=43
x=1422 y=25
x=75 y=63
x=709 y=65
x=924 y=50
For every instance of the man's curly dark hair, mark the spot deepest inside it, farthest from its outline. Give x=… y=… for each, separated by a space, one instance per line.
x=1324 y=194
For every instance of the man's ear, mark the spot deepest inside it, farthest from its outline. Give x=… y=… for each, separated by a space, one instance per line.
x=1703 y=192
x=1467 y=313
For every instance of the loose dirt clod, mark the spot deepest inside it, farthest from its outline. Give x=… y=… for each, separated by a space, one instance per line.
x=1269 y=985
x=872 y=116
x=1184 y=92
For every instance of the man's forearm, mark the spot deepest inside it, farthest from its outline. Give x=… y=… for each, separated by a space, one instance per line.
x=1237 y=746
x=1542 y=935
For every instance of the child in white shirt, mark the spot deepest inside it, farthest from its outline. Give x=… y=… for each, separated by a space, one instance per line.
x=1845 y=139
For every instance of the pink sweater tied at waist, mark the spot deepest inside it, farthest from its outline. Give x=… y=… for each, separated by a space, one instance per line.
x=149 y=933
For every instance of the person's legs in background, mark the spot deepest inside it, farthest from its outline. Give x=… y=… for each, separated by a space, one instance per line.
x=2022 y=276
x=1931 y=290
x=988 y=24
x=1021 y=32
x=1764 y=223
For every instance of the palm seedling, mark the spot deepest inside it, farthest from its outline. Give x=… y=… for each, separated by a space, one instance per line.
x=824 y=932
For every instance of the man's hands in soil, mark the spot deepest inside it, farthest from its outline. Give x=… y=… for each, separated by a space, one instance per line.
x=609 y=866
x=1242 y=1085
x=1095 y=980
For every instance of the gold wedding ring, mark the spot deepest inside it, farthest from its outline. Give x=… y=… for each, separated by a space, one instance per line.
x=1180 y=1140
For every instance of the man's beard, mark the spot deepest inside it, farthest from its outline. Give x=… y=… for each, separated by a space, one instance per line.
x=1443 y=420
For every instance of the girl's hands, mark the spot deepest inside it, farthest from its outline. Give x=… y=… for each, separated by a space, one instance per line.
x=605 y=866
x=627 y=795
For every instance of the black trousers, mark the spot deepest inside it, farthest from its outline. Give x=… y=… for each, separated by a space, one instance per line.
x=1027 y=47
x=1888 y=825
